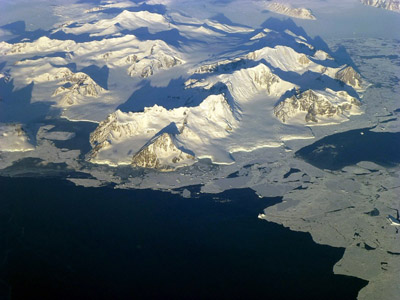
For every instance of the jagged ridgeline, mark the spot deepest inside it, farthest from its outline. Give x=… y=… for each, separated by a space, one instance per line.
x=393 y=5
x=164 y=98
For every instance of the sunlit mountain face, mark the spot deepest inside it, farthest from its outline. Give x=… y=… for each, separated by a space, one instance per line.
x=392 y=5
x=290 y=99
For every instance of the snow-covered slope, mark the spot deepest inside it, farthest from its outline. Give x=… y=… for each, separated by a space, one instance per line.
x=322 y=105
x=287 y=59
x=288 y=10
x=122 y=135
x=159 y=57
x=393 y=5
x=42 y=45
x=50 y=64
x=77 y=88
x=142 y=74
x=125 y=20
x=209 y=130
x=154 y=22
x=245 y=82
x=68 y=88
x=13 y=138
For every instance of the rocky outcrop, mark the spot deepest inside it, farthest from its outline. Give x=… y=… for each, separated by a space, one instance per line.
x=316 y=106
x=393 y=5
x=83 y=88
x=349 y=76
x=221 y=66
x=122 y=134
x=245 y=83
x=161 y=57
x=75 y=87
x=162 y=154
x=112 y=127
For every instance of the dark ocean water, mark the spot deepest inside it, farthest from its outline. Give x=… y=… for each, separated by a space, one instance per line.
x=59 y=241
x=348 y=148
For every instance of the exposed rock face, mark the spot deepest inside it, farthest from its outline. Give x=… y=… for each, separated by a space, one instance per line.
x=76 y=86
x=122 y=134
x=304 y=60
x=82 y=87
x=161 y=57
x=393 y=5
x=42 y=44
x=148 y=67
x=162 y=154
x=349 y=76
x=315 y=106
x=262 y=77
x=221 y=66
x=243 y=83
x=111 y=127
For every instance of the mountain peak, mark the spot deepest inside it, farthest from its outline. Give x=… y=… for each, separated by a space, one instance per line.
x=142 y=15
x=313 y=106
x=393 y=5
x=76 y=87
x=288 y=10
x=163 y=154
x=349 y=76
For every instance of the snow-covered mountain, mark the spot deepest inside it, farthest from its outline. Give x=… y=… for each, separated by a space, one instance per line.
x=288 y=10
x=160 y=57
x=75 y=87
x=349 y=76
x=393 y=5
x=243 y=82
x=43 y=45
x=162 y=154
x=125 y=135
x=313 y=107
x=277 y=63
x=126 y=20
x=209 y=76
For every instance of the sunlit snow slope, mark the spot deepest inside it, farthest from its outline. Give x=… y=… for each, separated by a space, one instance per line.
x=167 y=89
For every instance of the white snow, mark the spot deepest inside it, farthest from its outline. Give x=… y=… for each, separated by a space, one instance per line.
x=288 y=10
x=13 y=138
x=393 y=5
x=199 y=128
